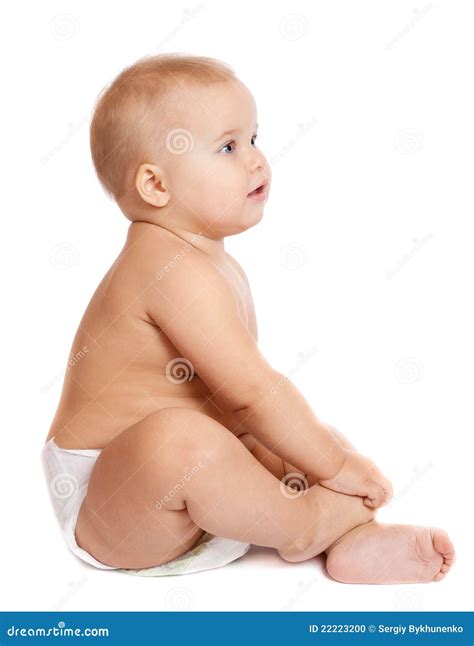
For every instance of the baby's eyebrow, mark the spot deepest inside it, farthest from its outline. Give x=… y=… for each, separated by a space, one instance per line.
x=231 y=132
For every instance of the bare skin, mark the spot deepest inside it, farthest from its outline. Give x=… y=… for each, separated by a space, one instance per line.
x=417 y=554
x=125 y=471
x=118 y=518
x=171 y=297
x=389 y=553
x=213 y=483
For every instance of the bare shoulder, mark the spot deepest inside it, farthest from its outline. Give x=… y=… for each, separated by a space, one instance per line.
x=175 y=268
x=238 y=267
x=181 y=278
x=149 y=260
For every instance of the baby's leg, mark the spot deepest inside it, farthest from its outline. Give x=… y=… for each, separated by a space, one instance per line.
x=158 y=484
x=374 y=552
x=281 y=468
x=389 y=553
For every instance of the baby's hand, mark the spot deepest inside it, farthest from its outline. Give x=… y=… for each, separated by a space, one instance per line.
x=359 y=476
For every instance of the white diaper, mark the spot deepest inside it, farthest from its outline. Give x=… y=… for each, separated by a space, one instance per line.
x=67 y=474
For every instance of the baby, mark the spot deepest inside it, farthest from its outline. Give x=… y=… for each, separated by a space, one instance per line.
x=166 y=378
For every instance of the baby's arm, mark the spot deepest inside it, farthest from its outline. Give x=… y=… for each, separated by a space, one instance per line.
x=197 y=310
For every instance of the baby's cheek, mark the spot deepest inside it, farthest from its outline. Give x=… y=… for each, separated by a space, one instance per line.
x=219 y=187
x=225 y=193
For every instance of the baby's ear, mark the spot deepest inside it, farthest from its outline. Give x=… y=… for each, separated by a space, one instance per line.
x=149 y=183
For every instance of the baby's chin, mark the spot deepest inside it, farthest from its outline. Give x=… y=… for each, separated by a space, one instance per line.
x=256 y=216
x=249 y=218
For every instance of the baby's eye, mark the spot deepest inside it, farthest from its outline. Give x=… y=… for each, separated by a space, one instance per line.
x=231 y=143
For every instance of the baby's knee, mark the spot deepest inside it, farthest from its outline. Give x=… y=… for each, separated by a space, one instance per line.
x=180 y=436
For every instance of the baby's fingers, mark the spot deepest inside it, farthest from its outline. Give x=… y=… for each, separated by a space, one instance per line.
x=388 y=489
x=375 y=496
x=368 y=502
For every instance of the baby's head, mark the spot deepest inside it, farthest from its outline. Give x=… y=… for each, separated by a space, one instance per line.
x=173 y=142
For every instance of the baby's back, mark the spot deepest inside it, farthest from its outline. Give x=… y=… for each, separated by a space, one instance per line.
x=122 y=366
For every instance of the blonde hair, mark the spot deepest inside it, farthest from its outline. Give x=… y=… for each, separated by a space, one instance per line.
x=128 y=112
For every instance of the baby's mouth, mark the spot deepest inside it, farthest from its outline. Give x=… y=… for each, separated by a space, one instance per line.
x=259 y=190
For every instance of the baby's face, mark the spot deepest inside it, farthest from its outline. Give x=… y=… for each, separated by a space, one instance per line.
x=210 y=171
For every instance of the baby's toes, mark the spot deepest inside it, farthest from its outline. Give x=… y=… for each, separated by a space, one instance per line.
x=443 y=544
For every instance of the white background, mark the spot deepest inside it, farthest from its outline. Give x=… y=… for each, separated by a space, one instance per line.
x=361 y=269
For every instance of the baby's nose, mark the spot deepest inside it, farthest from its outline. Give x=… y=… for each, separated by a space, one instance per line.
x=258 y=161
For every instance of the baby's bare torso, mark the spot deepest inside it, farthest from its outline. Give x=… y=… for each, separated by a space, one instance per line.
x=117 y=371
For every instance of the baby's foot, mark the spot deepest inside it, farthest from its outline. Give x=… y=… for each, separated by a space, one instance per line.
x=378 y=553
